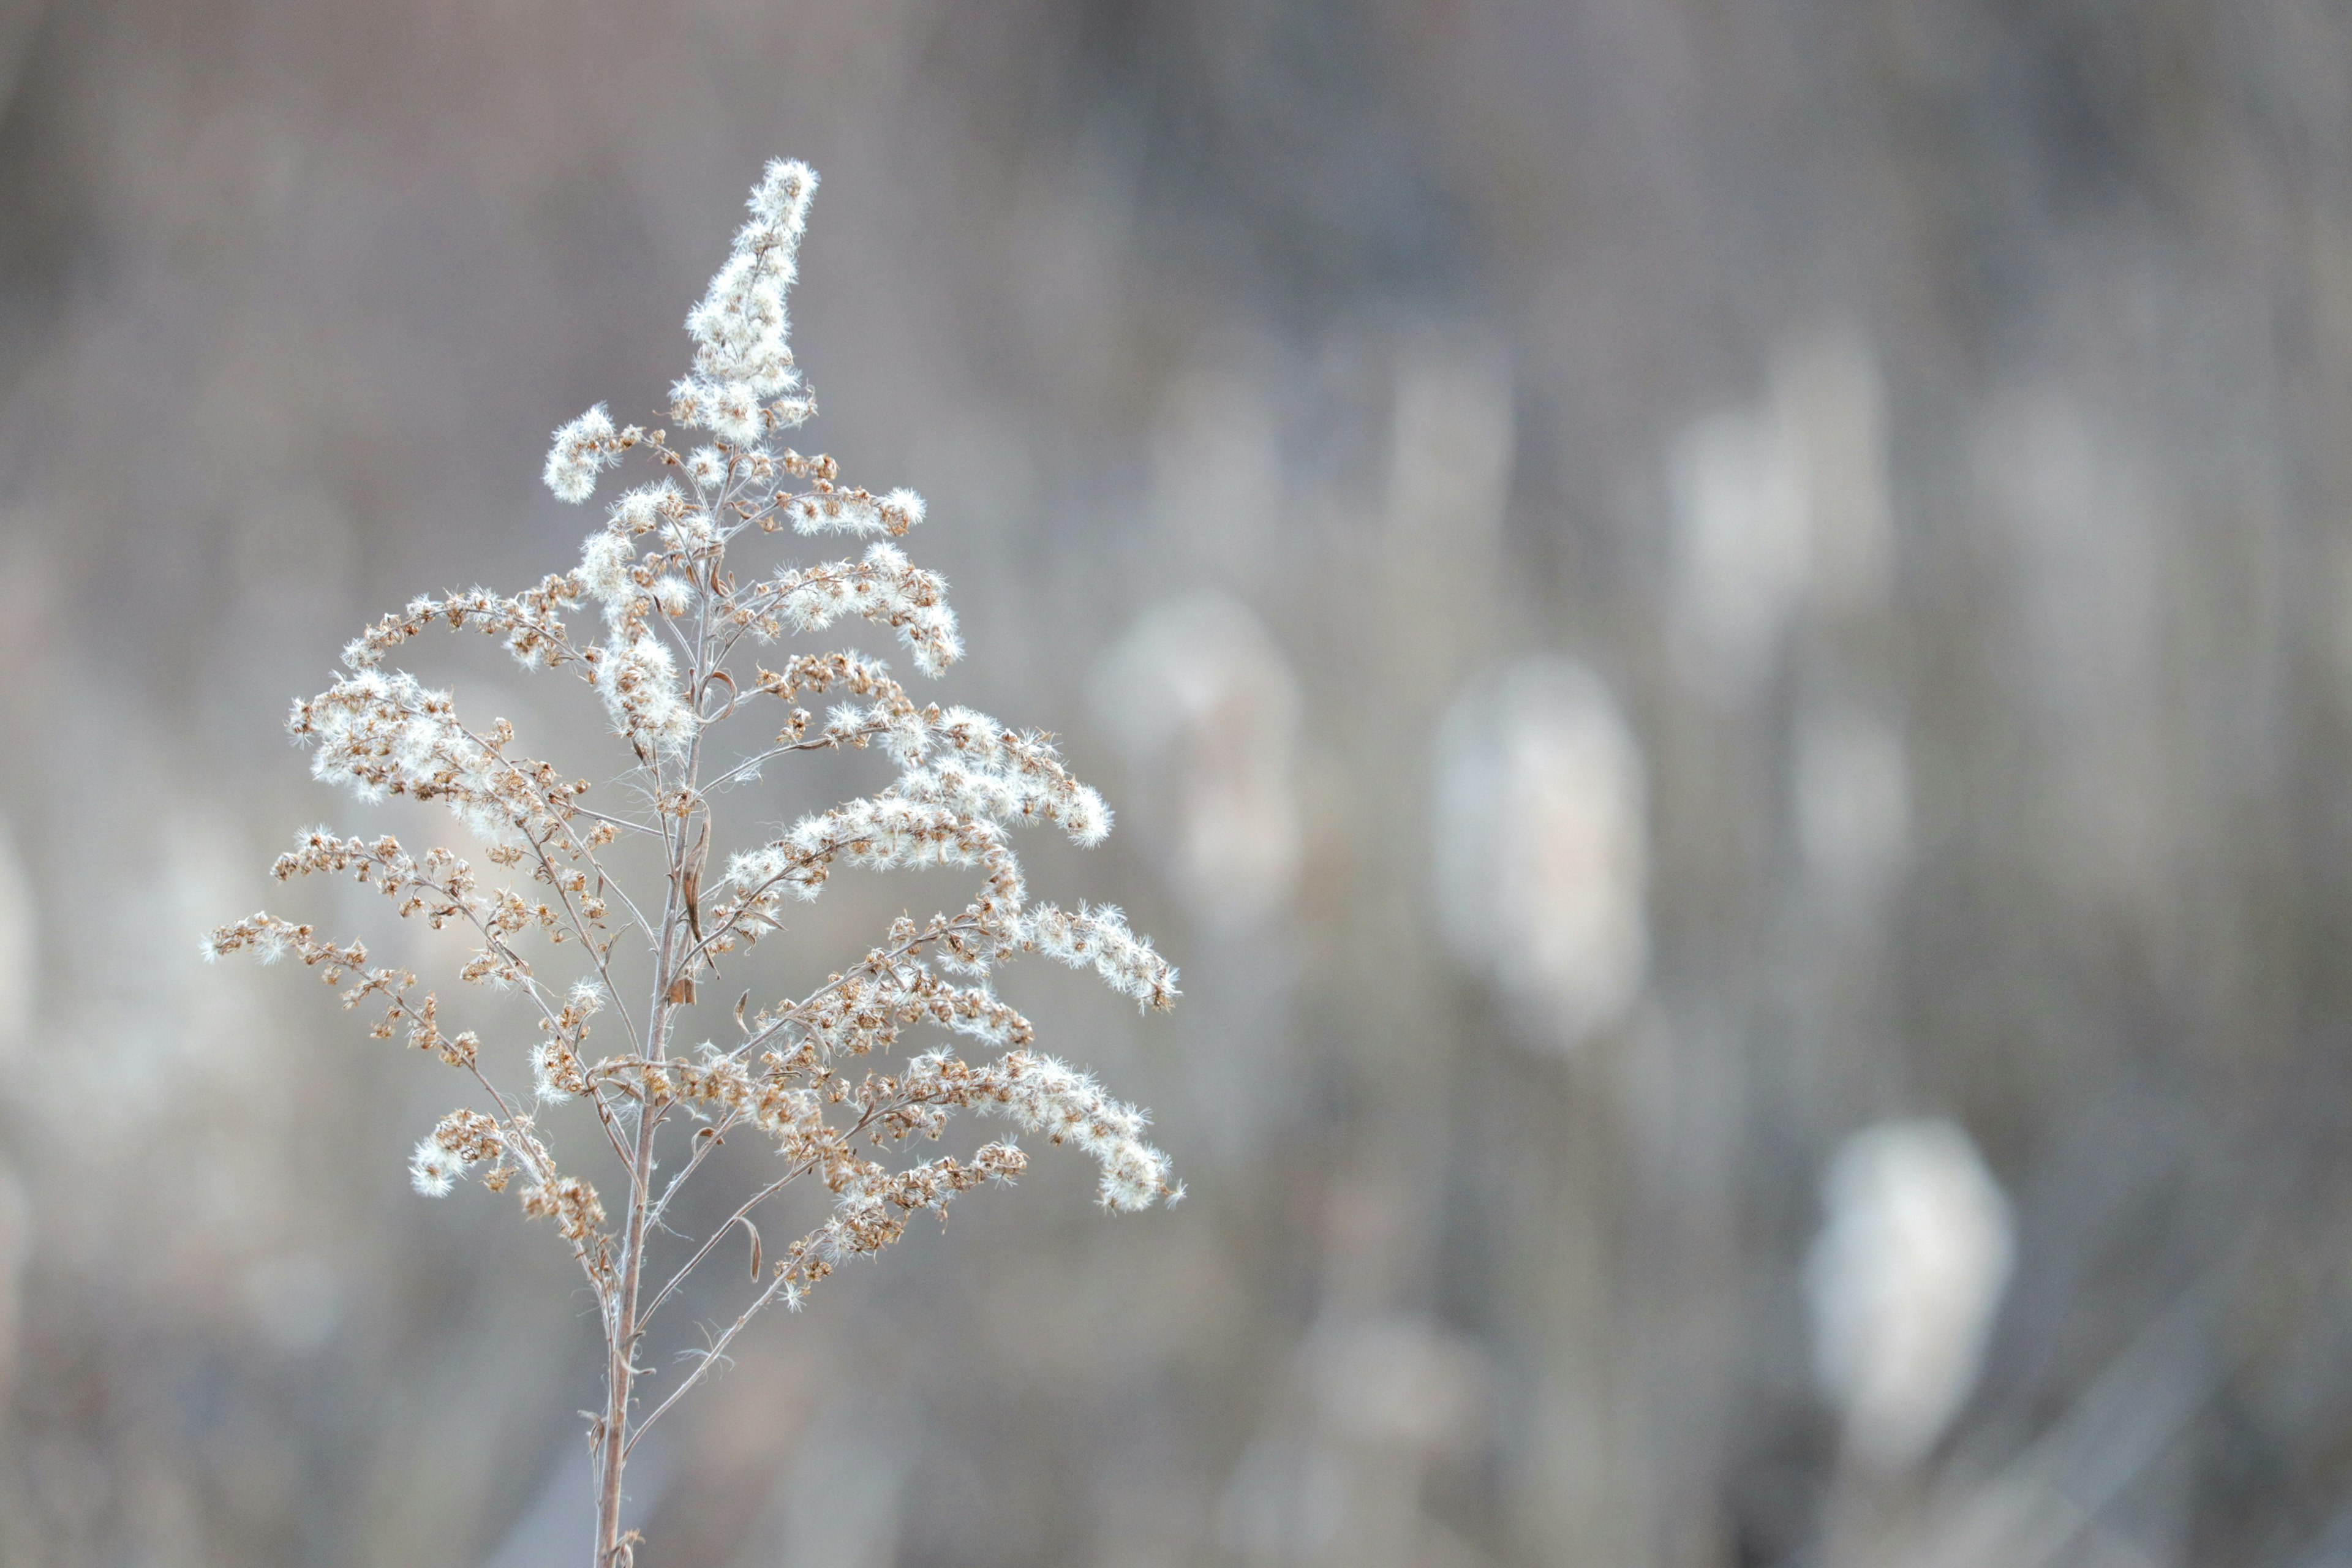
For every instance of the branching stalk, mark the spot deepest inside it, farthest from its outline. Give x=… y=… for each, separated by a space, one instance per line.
x=812 y=1073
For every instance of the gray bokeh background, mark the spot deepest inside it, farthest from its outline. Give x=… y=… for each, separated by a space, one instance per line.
x=1856 y=492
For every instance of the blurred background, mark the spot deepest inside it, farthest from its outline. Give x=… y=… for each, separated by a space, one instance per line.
x=1723 y=634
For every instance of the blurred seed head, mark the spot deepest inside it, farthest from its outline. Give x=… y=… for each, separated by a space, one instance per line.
x=1200 y=694
x=1542 y=845
x=1739 y=548
x=1775 y=506
x=1906 y=1279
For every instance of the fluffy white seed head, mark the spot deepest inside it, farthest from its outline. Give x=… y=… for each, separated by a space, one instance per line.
x=1906 y=1279
x=745 y=380
x=582 y=448
x=433 y=1170
x=782 y=196
x=674 y=610
x=607 y=567
x=640 y=511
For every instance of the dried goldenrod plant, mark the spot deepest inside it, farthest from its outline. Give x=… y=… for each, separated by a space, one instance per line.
x=671 y=668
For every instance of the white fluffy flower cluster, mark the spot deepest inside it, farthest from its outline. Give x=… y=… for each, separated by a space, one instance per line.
x=433 y=1170
x=608 y=565
x=389 y=734
x=1002 y=776
x=640 y=687
x=965 y=779
x=582 y=448
x=463 y=1139
x=637 y=674
x=855 y=512
x=873 y=1203
x=1040 y=1094
x=884 y=588
x=744 y=378
x=886 y=833
x=641 y=510
x=1099 y=937
x=529 y=622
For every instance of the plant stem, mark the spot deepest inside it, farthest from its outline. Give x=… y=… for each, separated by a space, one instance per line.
x=672 y=956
